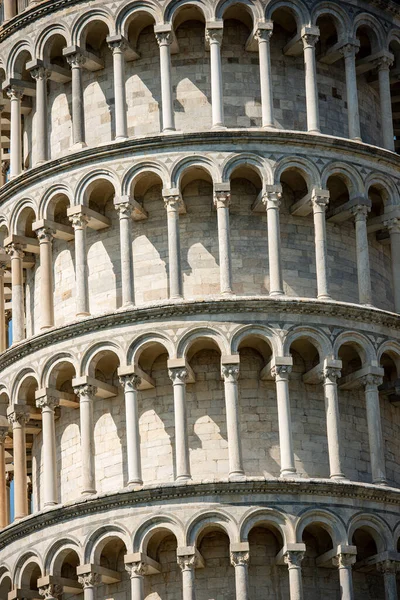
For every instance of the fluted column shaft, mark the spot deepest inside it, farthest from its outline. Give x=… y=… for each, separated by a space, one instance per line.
x=18 y=417
x=40 y=74
x=240 y=561
x=376 y=446
x=214 y=38
x=179 y=377
x=15 y=96
x=344 y=564
x=310 y=67
x=174 y=246
x=187 y=565
x=222 y=202
x=48 y=405
x=130 y=383
x=360 y=212
x=3 y=482
x=86 y=395
x=17 y=289
x=281 y=374
x=164 y=40
x=79 y=223
x=125 y=226
x=121 y=127
x=330 y=377
x=272 y=202
x=230 y=374
x=45 y=237
x=384 y=63
x=393 y=226
x=320 y=201
x=293 y=560
x=76 y=62
x=349 y=52
x=263 y=36
x=3 y=327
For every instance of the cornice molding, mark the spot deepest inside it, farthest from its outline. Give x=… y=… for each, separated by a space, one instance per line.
x=232 y=139
x=154 y=495
x=170 y=310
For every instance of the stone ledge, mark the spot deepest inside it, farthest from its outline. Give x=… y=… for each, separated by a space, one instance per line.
x=171 y=309
x=292 y=489
x=232 y=138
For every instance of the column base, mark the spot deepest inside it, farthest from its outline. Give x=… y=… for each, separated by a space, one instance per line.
x=169 y=130
x=50 y=504
x=368 y=304
x=121 y=138
x=287 y=473
x=135 y=482
x=46 y=327
x=269 y=126
x=357 y=139
x=180 y=297
x=237 y=476
x=276 y=294
x=218 y=126
x=324 y=297
x=82 y=314
x=380 y=482
x=78 y=146
x=183 y=478
x=339 y=477
x=314 y=131
x=88 y=492
x=127 y=305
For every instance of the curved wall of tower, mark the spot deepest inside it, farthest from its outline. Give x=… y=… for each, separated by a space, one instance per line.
x=200 y=282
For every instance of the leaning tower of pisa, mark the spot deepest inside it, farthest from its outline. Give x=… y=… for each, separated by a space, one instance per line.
x=199 y=300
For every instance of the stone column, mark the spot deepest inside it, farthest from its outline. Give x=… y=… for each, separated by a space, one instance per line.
x=330 y=377
x=349 y=52
x=281 y=375
x=389 y=569
x=230 y=374
x=131 y=383
x=360 y=212
x=179 y=377
x=384 y=63
x=48 y=405
x=2 y=163
x=41 y=75
x=79 y=223
x=293 y=559
x=240 y=561
x=10 y=9
x=86 y=394
x=320 y=200
x=214 y=38
x=164 y=39
x=15 y=96
x=187 y=565
x=222 y=200
x=344 y=563
x=17 y=290
x=3 y=170
x=121 y=127
x=174 y=246
x=18 y=416
x=76 y=61
x=310 y=67
x=263 y=36
x=125 y=226
x=51 y=591
x=3 y=483
x=272 y=202
x=9 y=479
x=3 y=328
x=376 y=446
x=137 y=571
x=45 y=237
x=89 y=582
x=393 y=226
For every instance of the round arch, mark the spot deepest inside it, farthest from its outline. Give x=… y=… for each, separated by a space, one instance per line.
x=215 y=518
x=332 y=523
x=198 y=333
x=252 y=161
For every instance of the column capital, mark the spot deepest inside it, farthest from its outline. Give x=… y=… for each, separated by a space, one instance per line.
x=320 y=198
x=76 y=60
x=164 y=38
x=124 y=209
x=3 y=432
x=272 y=196
x=14 y=92
x=9 y=477
x=79 y=221
x=360 y=211
x=15 y=250
x=343 y=560
x=214 y=34
x=40 y=72
x=388 y=566
x=119 y=44
x=384 y=63
x=281 y=371
x=332 y=374
x=309 y=36
x=264 y=31
x=293 y=558
x=89 y=580
x=393 y=224
x=18 y=414
x=172 y=200
x=47 y=402
x=137 y=569
x=240 y=558
x=131 y=381
x=178 y=375
x=45 y=234
x=51 y=591
x=85 y=390
x=187 y=562
x=350 y=48
x=371 y=381
x=230 y=373
x=222 y=198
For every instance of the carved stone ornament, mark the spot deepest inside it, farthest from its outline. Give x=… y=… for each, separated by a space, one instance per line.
x=137 y=569
x=293 y=558
x=51 y=591
x=178 y=376
x=79 y=221
x=281 y=371
x=230 y=373
x=222 y=199
x=88 y=580
x=47 y=402
x=131 y=381
x=344 y=561
x=85 y=391
x=240 y=558
x=187 y=563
